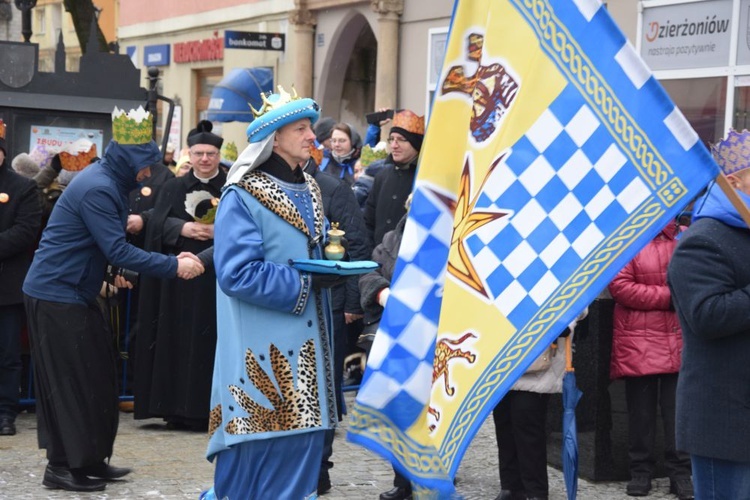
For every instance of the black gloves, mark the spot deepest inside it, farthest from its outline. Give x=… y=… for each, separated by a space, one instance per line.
x=321 y=280
x=56 y=164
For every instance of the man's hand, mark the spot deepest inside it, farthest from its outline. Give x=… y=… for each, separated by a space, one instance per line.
x=198 y=231
x=121 y=282
x=189 y=266
x=135 y=224
x=351 y=317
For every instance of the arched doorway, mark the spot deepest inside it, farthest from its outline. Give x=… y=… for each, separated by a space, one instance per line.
x=347 y=85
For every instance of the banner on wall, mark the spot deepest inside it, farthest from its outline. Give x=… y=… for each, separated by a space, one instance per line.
x=687 y=35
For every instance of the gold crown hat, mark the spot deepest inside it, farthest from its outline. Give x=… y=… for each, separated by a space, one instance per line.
x=3 y=145
x=78 y=155
x=279 y=110
x=733 y=152
x=133 y=127
x=411 y=126
x=229 y=151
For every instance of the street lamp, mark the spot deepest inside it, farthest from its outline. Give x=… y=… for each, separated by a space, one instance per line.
x=25 y=7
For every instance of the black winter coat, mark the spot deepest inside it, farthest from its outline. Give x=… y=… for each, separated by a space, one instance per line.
x=386 y=202
x=709 y=276
x=20 y=221
x=340 y=205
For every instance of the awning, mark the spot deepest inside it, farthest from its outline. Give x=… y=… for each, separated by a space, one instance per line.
x=232 y=97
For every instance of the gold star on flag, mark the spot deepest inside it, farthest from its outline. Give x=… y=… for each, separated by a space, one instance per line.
x=467 y=219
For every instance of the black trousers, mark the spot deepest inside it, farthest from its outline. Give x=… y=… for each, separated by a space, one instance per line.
x=75 y=382
x=643 y=394
x=11 y=321
x=520 y=428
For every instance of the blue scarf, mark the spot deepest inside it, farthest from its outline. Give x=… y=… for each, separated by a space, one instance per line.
x=716 y=205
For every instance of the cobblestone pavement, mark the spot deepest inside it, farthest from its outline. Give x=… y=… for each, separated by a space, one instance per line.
x=170 y=464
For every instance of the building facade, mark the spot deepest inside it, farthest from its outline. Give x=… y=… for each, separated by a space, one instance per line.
x=50 y=21
x=10 y=22
x=351 y=56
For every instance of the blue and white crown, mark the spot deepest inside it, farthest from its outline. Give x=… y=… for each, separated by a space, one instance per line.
x=279 y=110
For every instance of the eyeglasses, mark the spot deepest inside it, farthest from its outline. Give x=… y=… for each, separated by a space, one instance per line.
x=397 y=140
x=208 y=154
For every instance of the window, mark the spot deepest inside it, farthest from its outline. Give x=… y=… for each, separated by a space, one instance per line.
x=702 y=101
x=436 y=44
x=40 y=21
x=206 y=80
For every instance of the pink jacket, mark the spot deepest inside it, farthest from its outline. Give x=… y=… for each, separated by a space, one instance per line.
x=647 y=339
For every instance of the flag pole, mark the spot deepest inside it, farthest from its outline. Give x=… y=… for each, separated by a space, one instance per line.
x=737 y=202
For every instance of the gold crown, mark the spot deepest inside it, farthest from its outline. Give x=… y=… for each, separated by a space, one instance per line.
x=135 y=127
x=2 y=129
x=229 y=151
x=283 y=99
x=409 y=121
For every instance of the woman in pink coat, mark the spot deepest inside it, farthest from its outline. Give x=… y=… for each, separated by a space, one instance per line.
x=646 y=350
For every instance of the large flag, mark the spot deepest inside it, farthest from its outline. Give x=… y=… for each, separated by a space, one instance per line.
x=552 y=156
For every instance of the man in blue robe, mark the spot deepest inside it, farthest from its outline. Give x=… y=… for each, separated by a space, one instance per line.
x=273 y=393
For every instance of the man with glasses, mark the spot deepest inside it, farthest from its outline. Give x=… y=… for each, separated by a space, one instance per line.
x=393 y=184
x=176 y=330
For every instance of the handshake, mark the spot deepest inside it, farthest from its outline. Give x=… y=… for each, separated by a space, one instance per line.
x=189 y=266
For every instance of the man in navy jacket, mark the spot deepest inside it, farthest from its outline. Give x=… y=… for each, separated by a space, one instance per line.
x=74 y=358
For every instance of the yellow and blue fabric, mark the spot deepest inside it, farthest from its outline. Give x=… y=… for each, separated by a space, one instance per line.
x=551 y=157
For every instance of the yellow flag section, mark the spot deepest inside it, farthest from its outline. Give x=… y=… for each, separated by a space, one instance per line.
x=509 y=64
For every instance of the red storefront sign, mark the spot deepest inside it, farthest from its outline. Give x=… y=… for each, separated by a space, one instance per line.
x=210 y=49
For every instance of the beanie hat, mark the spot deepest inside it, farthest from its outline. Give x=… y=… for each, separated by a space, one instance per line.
x=410 y=126
x=25 y=165
x=201 y=134
x=324 y=128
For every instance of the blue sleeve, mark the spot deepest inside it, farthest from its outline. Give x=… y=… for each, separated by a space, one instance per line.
x=99 y=213
x=372 y=137
x=241 y=268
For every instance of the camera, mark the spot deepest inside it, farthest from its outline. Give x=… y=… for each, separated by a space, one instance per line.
x=127 y=274
x=378 y=116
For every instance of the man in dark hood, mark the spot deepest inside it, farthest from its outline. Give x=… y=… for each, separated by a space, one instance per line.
x=74 y=359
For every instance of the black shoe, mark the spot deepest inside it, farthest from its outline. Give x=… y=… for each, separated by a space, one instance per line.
x=639 y=486
x=511 y=495
x=324 y=482
x=105 y=471
x=397 y=493
x=682 y=487
x=7 y=427
x=62 y=478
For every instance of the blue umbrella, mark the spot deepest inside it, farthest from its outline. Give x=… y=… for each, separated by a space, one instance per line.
x=571 y=395
x=232 y=97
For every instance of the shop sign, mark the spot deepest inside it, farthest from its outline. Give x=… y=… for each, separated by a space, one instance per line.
x=687 y=35
x=210 y=49
x=156 y=55
x=252 y=40
x=743 y=47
